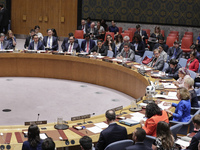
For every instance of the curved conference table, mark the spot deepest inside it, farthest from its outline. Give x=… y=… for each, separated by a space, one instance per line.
x=94 y=71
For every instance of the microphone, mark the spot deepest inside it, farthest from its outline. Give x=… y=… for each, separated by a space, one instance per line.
x=88 y=121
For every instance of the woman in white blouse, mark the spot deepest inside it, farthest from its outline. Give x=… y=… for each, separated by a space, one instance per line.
x=183 y=74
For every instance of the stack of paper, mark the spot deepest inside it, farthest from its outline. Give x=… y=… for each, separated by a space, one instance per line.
x=145 y=68
x=101 y=125
x=182 y=143
x=169 y=86
x=115 y=59
x=171 y=95
x=138 y=116
x=95 y=129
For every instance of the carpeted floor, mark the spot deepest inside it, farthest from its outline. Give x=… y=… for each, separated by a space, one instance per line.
x=52 y=98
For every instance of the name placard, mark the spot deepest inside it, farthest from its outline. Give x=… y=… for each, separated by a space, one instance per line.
x=80 y=117
x=35 y=122
x=118 y=108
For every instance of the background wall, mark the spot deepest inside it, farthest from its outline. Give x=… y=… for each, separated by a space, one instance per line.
x=171 y=12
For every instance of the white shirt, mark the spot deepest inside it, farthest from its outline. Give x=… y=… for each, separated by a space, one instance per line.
x=35 y=46
x=51 y=42
x=84 y=28
x=136 y=46
x=71 y=46
x=1 y=45
x=40 y=36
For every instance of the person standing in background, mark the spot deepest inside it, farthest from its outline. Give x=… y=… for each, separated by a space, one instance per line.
x=4 y=19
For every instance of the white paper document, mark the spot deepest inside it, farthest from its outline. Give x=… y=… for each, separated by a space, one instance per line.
x=101 y=125
x=43 y=136
x=169 y=86
x=162 y=106
x=119 y=60
x=146 y=68
x=138 y=116
x=94 y=129
x=182 y=143
x=172 y=95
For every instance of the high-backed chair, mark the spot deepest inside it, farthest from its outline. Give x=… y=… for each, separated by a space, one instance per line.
x=165 y=67
x=138 y=59
x=192 y=74
x=148 y=54
x=126 y=34
x=182 y=62
x=130 y=33
x=170 y=40
x=162 y=32
x=120 y=30
x=186 y=43
x=119 y=145
x=78 y=34
x=112 y=35
x=110 y=54
x=133 y=30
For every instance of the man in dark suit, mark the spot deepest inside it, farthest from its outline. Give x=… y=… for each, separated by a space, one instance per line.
x=4 y=19
x=127 y=53
x=112 y=133
x=195 y=139
x=71 y=45
x=161 y=43
x=50 y=42
x=126 y=40
x=142 y=33
x=3 y=44
x=83 y=26
x=93 y=31
x=36 y=44
x=138 y=137
x=87 y=44
x=175 y=52
x=172 y=70
x=99 y=48
x=66 y=40
x=29 y=39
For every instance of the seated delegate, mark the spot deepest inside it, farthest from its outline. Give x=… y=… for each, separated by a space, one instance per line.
x=99 y=48
x=154 y=114
x=50 y=42
x=172 y=70
x=188 y=84
x=175 y=52
x=127 y=53
x=109 y=44
x=71 y=45
x=192 y=62
x=182 y=112
x=36 y=44
x=139 y=45
x=87 y=44
x=157 y=62
x=11 y=39
x=183 y=74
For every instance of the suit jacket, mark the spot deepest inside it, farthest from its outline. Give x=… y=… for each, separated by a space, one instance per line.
x=76 y=47
x=122 y=46
x=40 y=46
x=194 y=66
x=4 y=17
x=194 y=142
x=130 y=56
x=86 y=27
x=171 y=52
x=112 y=45
x=5 y=45
x=182 y=112
x=66 y=40
x=173 y=72
x=140 y=48
x=96 y=32
x=144 y=33
x=83 y=45
x=151 y=123
x=27 y=42
x=138 y=146
x=165 y=47
x=102 y=51
x=159 y=63
x=112 y=133
x=54 y=42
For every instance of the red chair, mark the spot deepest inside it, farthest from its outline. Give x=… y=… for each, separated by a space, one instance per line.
x=148 y=31
x=189 y=33
x=111 y=33
x=120 y=30
x=162 y=32
x=186 y=43
x=78 y=34
x=131 y=34
x=125 y=34
x=175 y=35
x=133 y=30
x=174 y=32
x=170 y=41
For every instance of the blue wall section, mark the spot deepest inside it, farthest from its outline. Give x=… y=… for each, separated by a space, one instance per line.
x=168 y=12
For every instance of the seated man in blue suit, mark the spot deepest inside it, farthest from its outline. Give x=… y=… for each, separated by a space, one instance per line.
x=50 y=42
x=71 y=45
x=87 y=44
x=138 y=137
x=112 y=133
x=142 y=33
x=36 y=44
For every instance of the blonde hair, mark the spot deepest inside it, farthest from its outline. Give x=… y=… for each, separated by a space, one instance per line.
x=9 y=31
x=184 y=93
x=156 y=50
x=189 y=81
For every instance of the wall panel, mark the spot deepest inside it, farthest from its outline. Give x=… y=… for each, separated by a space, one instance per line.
x=52 y=10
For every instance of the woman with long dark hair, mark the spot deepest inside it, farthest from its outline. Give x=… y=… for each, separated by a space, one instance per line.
x=154 y=115
x=164 y=139
x=34 y=142
x=139 y=45
x=109 y=44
